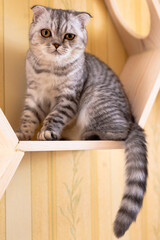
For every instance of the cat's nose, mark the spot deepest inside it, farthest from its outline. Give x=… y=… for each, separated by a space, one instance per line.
x=56 y=45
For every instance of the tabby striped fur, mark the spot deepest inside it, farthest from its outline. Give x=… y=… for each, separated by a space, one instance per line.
x=77 y=96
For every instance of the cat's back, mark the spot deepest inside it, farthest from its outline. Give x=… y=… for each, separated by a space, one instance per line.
x=98 y=70
x=94 y=64
x=100 y=73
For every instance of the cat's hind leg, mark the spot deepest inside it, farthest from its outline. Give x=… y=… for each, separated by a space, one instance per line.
x=109 y=130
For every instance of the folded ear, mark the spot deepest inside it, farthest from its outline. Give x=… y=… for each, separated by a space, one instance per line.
x=84 y=18
x=38 y=10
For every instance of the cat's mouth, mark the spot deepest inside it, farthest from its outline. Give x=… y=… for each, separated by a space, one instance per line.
x=55 y=52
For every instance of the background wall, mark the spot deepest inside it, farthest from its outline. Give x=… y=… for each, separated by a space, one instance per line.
x=69 y=195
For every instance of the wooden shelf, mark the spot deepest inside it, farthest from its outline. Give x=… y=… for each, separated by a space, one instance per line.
x=30 y=146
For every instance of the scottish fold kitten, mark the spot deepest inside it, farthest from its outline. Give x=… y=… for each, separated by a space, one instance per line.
x=77 y=96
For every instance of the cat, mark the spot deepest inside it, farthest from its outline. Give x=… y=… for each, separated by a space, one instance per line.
x=77 y=96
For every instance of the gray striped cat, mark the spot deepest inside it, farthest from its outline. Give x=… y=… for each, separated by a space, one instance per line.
x=76 y=96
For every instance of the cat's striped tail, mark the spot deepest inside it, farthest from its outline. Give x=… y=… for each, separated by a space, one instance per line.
x=136 y=180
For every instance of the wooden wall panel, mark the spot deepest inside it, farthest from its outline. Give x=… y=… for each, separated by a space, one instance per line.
x=153 y=194
x=3 y=200
x=72 y=191
x=15 y=46
x=18 y=208
x=1 y=54
x=40 y=196
x=104 y=193
x=18 y=203
x=53 y=206
x=137 y=21
x=3 y=218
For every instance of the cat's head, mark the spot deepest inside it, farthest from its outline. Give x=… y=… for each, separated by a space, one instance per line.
x=58 y=35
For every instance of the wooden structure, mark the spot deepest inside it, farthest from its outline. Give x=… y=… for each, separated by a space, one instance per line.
x=140 y=77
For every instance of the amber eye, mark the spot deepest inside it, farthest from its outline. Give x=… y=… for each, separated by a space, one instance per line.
x=69 y=36
x=46 y=33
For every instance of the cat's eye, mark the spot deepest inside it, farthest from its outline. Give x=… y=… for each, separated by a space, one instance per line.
x=46 y=33
x=69 y=36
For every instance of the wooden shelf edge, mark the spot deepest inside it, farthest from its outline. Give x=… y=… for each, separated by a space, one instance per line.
x=121 y=21
x=8 y=138
x=31 y=146
x=8 y=166
x=150 y=102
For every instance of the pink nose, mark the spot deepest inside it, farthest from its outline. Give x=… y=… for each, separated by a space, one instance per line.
x=56 y=45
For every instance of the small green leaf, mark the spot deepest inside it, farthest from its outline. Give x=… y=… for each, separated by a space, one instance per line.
x=72 y=231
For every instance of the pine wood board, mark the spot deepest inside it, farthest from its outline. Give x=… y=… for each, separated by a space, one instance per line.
x=133 y=42
x=8 y=139
x=18 y=209
x=16 y=26
x=141 y=79
x=1 y=55
x=32 y=146
x=40 y=195
x=3 y=218
x=9 y=162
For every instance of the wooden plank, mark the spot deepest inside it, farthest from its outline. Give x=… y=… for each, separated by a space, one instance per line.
x=15 y=47
x=3 y=218
x=3 y=199
x=94 y=196
x=138 y=22
x=52 y=187
x=116 y=53
x=8 y=139
x=152 y=198
x=105 y=220
x=18 y=203
x=133 y=42
x=9 y=162
x=99 y=27
x=40 y=196
x=142 y=85
x=73 y=195
x=67 y=145
x=1 y=55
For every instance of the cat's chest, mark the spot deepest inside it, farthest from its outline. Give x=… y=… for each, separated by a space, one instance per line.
x=46 y=85
x=50 y=85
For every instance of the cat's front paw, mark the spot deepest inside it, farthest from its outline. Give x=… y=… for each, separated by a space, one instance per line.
x=47 y=135
x=21 y=136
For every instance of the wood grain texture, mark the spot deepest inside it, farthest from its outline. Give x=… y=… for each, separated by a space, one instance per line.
x=73 y=185
x=3 y=218
x=1 y=55
x=40 y=196
x=3 y=199
x=142 y=85
x=18 y=203
x=132 y=42
x=8 y=139
x=52 y=186
x=105 y=221
x=9 y=161
x=153 y=195
x=15 y=46
x=136 y=22
x=67 y=145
